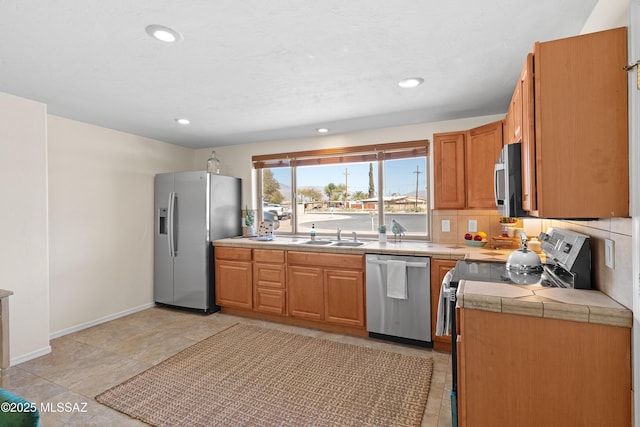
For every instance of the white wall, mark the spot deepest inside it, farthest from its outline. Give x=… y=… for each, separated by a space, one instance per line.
x=23 y=215
x=101 y=220
x=607 y=14
x=634 y=172
x=235 y=160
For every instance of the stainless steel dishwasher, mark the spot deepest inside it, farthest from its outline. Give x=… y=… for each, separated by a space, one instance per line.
x=399 y=319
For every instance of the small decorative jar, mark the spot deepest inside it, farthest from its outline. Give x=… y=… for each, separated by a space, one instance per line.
x=382 y=234
x=213 y=164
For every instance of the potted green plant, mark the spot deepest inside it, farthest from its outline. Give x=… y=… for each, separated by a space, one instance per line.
x=382 y=233
x=248 y=229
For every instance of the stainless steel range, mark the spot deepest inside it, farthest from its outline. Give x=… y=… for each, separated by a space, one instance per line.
x=567 y=265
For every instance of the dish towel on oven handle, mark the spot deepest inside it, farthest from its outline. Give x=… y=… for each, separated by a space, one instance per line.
x=443 y=324
x=396 y=279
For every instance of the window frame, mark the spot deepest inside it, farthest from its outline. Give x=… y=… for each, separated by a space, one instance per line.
x=378 y=153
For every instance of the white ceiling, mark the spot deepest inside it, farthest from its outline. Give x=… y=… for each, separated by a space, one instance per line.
x=255 y=70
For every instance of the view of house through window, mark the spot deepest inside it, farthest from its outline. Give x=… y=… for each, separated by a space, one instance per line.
x=349 y=196
x=338 y=196
x=405 y=194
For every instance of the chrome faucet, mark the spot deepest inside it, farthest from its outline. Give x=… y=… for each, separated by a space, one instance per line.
x=355 y=236
x=338 y=232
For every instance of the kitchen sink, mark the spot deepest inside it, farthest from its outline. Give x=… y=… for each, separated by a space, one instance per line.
x=316 y=242
x=351 y=244
x=343 y=243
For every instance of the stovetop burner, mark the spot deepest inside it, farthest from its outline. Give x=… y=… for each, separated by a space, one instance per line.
x=496 y=271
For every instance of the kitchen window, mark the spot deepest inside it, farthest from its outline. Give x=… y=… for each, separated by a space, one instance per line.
x=352 y=188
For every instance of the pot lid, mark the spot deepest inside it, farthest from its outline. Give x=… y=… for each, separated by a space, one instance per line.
x=523 y=259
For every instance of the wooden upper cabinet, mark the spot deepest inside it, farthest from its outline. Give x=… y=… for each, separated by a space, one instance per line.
x=581 y=126
x=463 y=167
x=513 y=119
x=448 y=170
x=507 y=129
x=517 y=115
x=481 y=153
x=527 y=137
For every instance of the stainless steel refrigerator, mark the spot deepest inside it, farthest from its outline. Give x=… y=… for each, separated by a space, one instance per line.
x=191 y=210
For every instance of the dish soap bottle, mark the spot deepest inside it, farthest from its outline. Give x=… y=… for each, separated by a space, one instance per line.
x=313 y=232
x=213 y=164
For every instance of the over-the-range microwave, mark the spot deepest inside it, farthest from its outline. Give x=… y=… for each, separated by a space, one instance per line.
x=507 y=181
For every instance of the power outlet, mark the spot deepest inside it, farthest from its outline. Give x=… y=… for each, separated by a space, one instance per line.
x=609 y=253
x=473 y=225
x=446 y=226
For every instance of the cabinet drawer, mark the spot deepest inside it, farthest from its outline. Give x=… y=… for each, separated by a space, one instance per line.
x=269 y=275
x=326 y=260
x=234 y=254
x=268 y=255
x=270 y=300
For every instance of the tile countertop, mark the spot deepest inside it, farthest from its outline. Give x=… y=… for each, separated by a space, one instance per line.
x=552 y=303
x=406 y=247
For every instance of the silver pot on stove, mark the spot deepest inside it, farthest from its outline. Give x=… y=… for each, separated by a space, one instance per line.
x=523 y=261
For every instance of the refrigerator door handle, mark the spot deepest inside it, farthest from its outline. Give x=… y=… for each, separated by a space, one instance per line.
x=172 y=201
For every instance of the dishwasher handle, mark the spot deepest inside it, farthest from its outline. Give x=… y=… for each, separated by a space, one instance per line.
x=409 y=264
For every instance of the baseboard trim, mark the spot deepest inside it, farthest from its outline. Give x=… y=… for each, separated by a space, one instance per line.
x=95 y=322
x=30 y=356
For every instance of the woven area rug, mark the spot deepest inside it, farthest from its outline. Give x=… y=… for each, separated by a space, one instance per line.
x=252 y=376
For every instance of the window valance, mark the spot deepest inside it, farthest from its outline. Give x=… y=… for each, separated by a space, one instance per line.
x=363 y=153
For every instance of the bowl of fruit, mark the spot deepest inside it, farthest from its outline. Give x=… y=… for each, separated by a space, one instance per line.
x=477 y=240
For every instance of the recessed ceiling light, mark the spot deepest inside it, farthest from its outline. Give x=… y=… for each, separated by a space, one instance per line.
x=162 y=33
x=322 y=130
x=183 y=121
x=411 y=82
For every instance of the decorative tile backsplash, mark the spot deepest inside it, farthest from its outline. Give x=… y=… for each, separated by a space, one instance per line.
x=486 y=220
x=616 y=282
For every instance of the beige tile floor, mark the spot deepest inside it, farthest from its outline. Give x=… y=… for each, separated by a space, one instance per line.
x=85 y=363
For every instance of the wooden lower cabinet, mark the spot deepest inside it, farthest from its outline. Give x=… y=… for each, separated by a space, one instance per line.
x=269 y=281
x=327 y=287
x=439 y=267
x=306 y=292
x=312 y=289
x=234 y=283
x=270 y=300
x=344 y=297
x=532 y=371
